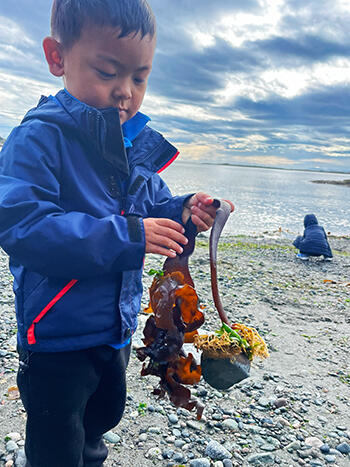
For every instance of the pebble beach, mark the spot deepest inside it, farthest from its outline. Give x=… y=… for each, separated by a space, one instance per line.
x=293 y=410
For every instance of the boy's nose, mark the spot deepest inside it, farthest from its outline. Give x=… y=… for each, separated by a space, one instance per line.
x=123 y=90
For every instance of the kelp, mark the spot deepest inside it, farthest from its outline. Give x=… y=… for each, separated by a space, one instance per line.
x=175 y=318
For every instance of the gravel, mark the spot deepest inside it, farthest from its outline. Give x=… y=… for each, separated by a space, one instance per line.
x=294 y=408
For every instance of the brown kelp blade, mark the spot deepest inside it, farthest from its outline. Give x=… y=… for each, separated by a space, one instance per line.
x=180 y=262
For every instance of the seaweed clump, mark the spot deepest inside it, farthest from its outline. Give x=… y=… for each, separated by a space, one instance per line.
x=228 y=342
x=226 y=355
x=175 y=318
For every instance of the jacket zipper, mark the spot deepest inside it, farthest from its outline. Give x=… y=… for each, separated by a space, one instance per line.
x=31 y=331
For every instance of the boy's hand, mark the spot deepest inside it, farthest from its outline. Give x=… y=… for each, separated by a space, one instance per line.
x=164 y=236
x=199 y=206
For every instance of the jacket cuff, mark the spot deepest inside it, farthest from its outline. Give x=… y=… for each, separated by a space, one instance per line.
x=133 y=254
x=179 y=205
x=134 y=229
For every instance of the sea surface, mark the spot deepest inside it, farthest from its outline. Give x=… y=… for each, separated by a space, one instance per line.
x=267 y=200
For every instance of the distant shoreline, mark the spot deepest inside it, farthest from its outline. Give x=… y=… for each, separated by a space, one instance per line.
x=269 y=168
x=333 y=182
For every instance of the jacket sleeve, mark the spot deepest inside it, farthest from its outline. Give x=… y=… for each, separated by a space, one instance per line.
x=297 y=241
x=38 y=234
x=166 y=205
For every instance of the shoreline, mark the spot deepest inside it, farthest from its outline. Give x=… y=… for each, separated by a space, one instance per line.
x=292 y=410
x=345 y=182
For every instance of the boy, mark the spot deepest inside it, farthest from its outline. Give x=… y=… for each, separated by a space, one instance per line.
x=77 y=215
x=314 y=241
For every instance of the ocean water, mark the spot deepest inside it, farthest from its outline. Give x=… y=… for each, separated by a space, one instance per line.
x=267 y=199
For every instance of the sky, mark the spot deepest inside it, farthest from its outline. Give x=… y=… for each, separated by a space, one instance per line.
x=253 y=82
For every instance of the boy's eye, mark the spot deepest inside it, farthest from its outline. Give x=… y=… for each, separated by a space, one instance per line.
x=139 y=80
x=105 y=75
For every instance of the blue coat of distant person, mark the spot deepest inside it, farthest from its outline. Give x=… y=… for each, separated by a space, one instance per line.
x=314 y=241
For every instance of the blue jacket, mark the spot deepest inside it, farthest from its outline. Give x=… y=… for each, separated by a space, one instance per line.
x=314 y=241
x=71 y=210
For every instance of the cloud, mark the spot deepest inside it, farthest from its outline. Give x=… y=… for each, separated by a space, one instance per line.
x=309 y=48
x=232 y=81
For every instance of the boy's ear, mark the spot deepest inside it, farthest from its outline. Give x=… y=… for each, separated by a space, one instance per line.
x=54 y=56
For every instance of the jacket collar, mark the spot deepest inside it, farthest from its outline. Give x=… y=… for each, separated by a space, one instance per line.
x=103 y=125
x=98 y=129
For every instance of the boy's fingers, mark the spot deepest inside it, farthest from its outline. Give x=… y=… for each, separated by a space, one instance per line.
x=203 y=198
x=169 y=243
x=167 y=235
x=160 y=244
x=169 y=223
x=161 y=251
x=200 y=224
x=205 y=216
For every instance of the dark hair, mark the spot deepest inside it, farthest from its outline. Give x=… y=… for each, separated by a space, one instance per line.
x=68 y=17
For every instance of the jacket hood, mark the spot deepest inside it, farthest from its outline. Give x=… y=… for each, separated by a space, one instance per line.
x=310 y=219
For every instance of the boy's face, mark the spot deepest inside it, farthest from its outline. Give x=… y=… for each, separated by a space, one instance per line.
x=103 y=70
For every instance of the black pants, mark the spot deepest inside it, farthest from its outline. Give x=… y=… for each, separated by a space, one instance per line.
x=71 y=399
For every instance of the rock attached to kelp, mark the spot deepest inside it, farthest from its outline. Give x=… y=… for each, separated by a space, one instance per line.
x=226 y=355
x=222 y=373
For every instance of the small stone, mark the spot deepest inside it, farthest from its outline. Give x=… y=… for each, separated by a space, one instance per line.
x=304 y=453
x=173 y=418
x=20 y=461
x=293 y=446
x=154 y=429
x=230 y=424
x=268 y=447
x=282 y=421
x=344 y=448
x=179 y=443
x=335 y=452
x=200 y=462
x=218 y=464
x=153 y=453
x=178 y=457
x=111 y=437
x=143 y=437
x=227 y=463
x=11 y=446
x=195 y=425
x=254 y=429
x=313 y=442
x=167 y=453
x=325 y=448
x=216 y=451
x=258 y=459
x=264 y=401
x=330 y=459
x=281 y=402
